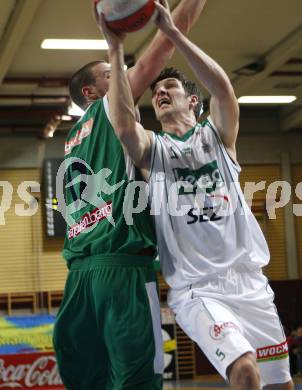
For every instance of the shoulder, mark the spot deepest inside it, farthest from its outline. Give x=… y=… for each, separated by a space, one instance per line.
x=209 y=131
x=96 y=105
x=87 y=116
x=214 y=138
x=208 y=124
x=97 y=113
x=160 y=141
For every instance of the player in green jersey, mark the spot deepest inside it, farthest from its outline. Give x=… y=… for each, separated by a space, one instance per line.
x=107 y=333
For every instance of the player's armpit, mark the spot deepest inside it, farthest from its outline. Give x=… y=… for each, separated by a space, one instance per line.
x=225 y=116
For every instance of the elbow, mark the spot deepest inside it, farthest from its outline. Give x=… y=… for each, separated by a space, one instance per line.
x=124 y=133
x=123 y=128
x=121 y=133
x=119 y=128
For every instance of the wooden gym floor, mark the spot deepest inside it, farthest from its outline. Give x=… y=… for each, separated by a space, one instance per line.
x=211 y=383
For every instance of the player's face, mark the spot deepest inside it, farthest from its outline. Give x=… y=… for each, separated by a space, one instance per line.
x=170 y=98
x=101 y=72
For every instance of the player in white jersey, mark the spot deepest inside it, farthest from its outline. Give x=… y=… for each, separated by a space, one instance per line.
x=210 y=245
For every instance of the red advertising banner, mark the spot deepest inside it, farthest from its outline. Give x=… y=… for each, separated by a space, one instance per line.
x=36 y=371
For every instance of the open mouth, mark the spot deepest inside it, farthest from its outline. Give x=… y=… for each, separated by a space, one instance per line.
x=163 y=101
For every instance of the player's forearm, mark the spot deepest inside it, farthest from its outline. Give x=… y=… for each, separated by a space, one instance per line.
x=161 y=49
x=187 y=13
x=184 y=16
x=121 y=105
x=208 y=71
x=132 y=136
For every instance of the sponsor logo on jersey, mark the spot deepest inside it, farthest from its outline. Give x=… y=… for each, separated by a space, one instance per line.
x=207 y=177
x=207 y=214
x=206 y=147
x=89 y=219
x=272 y=352
x=220 y=329
x=173 y=153
x=187 y=150
x=84 y=132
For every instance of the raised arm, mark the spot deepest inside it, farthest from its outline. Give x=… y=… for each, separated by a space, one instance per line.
x=223 y=106
x=160 y=50
x=134 y=138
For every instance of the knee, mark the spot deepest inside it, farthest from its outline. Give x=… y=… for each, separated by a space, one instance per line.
x=244 y=374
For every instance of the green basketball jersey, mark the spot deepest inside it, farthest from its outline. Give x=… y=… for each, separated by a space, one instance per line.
x=96 y=177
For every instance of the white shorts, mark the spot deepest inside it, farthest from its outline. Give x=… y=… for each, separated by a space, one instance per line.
x=231 y=314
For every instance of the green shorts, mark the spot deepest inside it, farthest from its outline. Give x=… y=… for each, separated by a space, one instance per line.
x=108 y=333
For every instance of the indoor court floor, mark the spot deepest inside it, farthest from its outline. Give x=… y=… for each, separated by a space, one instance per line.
x=214 y=383
x=194 y=385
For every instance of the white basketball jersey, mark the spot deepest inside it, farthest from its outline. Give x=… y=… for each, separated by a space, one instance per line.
x=203 y=223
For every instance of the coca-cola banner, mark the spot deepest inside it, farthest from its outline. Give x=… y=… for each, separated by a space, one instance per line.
x=27 y=360
x=36 y=371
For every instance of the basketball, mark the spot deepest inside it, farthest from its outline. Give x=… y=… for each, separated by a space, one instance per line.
x=127 y=16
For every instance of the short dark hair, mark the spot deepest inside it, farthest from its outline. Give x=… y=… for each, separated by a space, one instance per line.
x=82 y=77
x=189 y=86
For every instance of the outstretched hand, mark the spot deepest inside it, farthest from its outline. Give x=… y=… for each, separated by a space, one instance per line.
x=164 y=19
x=113 y=38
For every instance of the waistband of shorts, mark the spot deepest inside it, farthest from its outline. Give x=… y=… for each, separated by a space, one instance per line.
x=112 y=260
x=227 y=274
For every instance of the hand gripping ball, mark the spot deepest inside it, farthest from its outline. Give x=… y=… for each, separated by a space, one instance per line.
x=127 y=15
